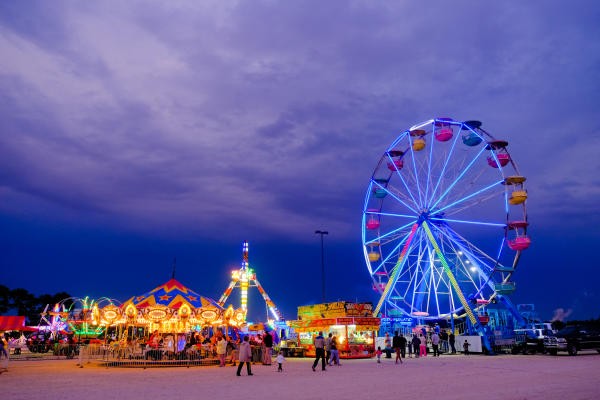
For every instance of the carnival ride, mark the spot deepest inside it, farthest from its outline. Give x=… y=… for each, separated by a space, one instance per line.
x=244 y=278
x=444 y=223
x=169 y=308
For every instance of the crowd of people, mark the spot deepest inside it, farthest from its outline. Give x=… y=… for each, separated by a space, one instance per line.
x=419 y=343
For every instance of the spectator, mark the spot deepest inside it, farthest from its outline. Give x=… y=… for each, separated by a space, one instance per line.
x=245 y=356
x=335 y=354
x=416 y=342
x=328 y=347
x=268 y=347
x=280 y=359
x=422 y=346
x=451 y=339
x=378 y=352
x=398 y=346
x=388 y=346
x=221 y=350
x=435 y=342
x=466 y=347
x=319 y=343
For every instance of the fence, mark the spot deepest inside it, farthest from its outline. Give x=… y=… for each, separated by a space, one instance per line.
x=142 y=356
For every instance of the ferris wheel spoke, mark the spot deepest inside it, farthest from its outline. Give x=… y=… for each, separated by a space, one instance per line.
x=412 y=156
x=429 y=163
x=468 y=247
x=443 y=168
x=470 y=185
x=469 y=222
x=464 y=171
x=390 y=233
x=474 y=202
x=470 y=196
x=402 y=179
x=390 y=214
x=394 y=196
x=391 y=253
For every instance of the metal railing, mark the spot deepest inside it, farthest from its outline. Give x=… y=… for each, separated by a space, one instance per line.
x=142 y=356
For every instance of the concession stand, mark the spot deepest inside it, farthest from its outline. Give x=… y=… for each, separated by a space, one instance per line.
x=350 y=323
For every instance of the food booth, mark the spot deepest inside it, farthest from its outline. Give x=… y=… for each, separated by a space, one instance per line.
x=351 y=323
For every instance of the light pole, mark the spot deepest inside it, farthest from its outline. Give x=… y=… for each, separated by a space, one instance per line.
x=322 y=261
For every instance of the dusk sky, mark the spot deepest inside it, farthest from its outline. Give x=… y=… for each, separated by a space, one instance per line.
x=135 y=132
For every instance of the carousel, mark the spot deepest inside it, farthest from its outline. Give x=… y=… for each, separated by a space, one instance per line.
x=169 y=308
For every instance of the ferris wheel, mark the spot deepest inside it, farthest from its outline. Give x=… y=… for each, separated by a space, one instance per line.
x=444 y=221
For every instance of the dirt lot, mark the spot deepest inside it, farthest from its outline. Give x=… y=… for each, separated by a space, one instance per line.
x=448 y=377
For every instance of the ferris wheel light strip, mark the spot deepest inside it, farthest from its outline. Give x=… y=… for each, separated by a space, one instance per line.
x=396 y=270
x=458 y=178
x=394 y=196
x=469 y=196
x=391 y=253
x=451 y=277
x=388 y=234
x=402 y=179
x=467 y=222
x=443 y=170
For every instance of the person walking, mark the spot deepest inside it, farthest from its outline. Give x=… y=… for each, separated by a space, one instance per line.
x=3 y=351
x=422 y=346
x=378 y=353
x=416 y=342
x=451 y=339
x=435 y=342
x=319 y=343
x=335 y=354
x=268 y=341
x=245 y=356
x=328 y=348
x=410 y=348
x=388 y=346
x=280 y=359
x=398 y=347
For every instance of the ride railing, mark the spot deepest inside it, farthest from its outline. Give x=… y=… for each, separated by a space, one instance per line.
x=44 y=350
x=143 y=356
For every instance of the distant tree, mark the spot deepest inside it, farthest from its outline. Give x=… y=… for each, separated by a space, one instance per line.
x=27 y=304
x=558 y=325
x=4 y=299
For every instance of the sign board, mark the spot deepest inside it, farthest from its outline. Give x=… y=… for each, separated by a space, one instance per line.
x=334 y=310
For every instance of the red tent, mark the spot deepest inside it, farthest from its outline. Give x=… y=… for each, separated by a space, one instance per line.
x=12 y=323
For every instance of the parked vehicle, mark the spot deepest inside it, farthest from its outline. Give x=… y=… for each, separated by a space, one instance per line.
x=573 y=339
x=530 y=341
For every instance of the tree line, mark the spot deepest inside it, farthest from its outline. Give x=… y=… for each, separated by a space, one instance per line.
x=27 y=304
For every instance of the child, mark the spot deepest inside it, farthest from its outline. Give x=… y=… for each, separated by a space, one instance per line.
x=378 y=352
x=466 y=347
x=280 y=359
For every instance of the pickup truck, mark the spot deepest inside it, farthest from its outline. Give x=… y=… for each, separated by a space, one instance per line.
x=530 y=341
x=573 y=339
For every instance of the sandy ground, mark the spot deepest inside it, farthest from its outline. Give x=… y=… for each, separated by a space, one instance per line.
x=447 y=377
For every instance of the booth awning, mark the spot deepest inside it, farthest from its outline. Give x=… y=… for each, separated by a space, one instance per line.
x=12 y=323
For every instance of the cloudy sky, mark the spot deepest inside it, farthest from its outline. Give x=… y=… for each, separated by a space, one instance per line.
x=135 y=132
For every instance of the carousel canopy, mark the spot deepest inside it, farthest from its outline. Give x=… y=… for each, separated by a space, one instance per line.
x=173 y=295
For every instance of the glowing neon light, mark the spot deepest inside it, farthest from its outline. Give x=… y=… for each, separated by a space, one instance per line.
x=395 y=271
x=471 y=195
x=458 y=178
x=451 y=277
x=468 y=222
x=395 y=197
x=389 y=233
